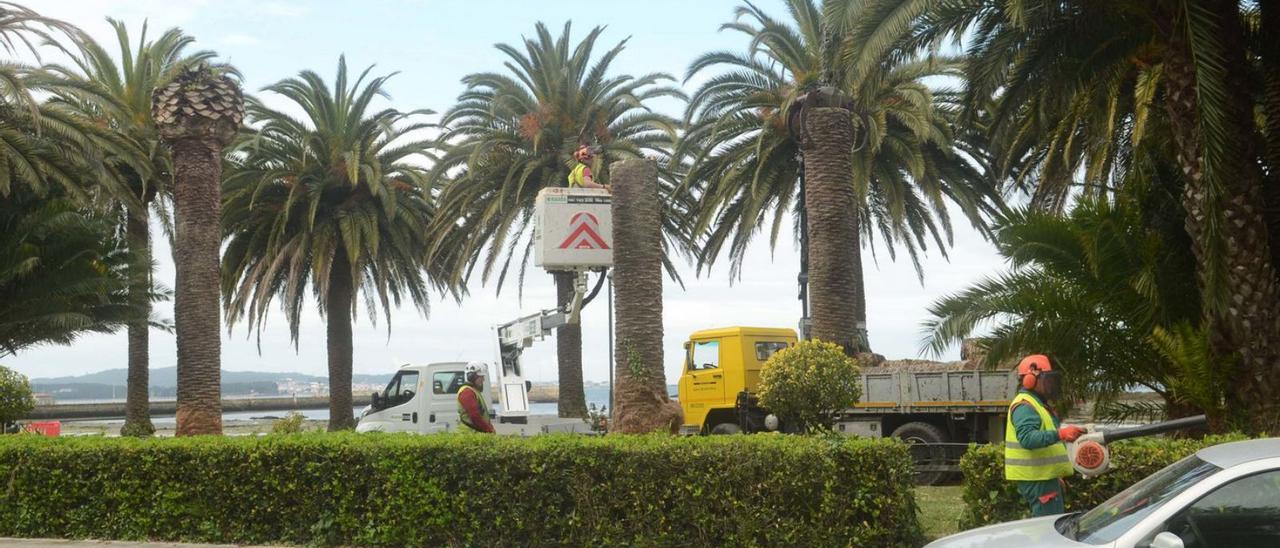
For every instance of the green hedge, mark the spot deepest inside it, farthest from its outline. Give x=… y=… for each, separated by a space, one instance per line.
x=989 y=498
x=384 y=489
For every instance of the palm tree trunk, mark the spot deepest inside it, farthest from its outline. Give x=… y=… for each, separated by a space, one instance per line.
x=1246 y=319
x=572 y=402
x=338 y=302
x=835 y=270
x=640 y=399
x=1271 y=107
x=197 y=236
x=137 y=412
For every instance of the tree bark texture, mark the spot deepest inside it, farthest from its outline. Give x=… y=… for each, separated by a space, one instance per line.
x=640 y=399
x=1270 y=15
x=839 y=311
x=197 y=238
x=137 y=406
x=1248 y=322
x=338 y=305
x=572 y=402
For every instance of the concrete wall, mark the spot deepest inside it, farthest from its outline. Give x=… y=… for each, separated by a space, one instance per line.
x=116 y=409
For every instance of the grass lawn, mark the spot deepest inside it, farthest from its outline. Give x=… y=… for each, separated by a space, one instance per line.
x=940 y=508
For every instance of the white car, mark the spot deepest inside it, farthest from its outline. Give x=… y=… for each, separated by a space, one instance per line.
x=1226 y=496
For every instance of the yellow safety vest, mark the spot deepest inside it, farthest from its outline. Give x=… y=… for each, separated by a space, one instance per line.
x=1047 y=462
x=578 y=177
x=463 y=416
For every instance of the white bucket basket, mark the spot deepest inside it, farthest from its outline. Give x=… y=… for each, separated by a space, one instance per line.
x=573 y=229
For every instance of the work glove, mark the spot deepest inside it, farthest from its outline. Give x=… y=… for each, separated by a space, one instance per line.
x=1070 y=432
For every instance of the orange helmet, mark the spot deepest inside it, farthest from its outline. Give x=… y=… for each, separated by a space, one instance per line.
x=1030 y=368
x=1034 y=364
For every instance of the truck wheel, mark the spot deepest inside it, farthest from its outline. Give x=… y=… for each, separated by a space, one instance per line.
x=725 y=428
x=921 y=436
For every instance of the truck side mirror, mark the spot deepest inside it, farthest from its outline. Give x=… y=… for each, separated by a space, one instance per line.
x=528 y=385
x=375 y=400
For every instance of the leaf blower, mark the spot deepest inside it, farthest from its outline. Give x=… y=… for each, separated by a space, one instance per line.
x=1091 y=457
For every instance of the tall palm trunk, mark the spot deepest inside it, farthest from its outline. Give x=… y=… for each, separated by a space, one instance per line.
x=198 y=114
x=573 y=400
x=640 y=399
x=196 y=211
x=835 y=269
x=1247 y=319
x=1270 y=24
x=137 y=407
x=338 y=303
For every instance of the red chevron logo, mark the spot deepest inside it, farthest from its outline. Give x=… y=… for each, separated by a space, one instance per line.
x=585 y=234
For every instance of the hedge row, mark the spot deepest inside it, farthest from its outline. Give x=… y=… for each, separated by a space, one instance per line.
x=384 y=489
x=989 y=498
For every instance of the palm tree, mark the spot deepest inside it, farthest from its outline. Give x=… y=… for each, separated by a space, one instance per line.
x=511 y=135
x=338 y=200
x=1105 y=291
x=197 y=114
x=641 y=393
x=117 y=95
x=62 y=272
x=841 y=73
x=45 y=145
x=1067 y=77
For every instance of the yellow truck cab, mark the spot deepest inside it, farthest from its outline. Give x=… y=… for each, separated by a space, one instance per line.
x=719 y=364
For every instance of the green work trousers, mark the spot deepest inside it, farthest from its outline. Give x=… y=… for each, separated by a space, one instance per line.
x=1044 y=496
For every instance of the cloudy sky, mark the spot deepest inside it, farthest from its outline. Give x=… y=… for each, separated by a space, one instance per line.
x=432 y=44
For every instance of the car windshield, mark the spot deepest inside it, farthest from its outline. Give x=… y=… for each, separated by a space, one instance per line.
x=1113 y=518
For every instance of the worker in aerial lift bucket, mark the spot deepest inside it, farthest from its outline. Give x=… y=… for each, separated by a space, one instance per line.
x=580 y=177
x=1035 y=457
x=472 y=409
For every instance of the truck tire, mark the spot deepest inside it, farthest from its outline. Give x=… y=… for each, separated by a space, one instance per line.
x=921 y=436
x=725 y=428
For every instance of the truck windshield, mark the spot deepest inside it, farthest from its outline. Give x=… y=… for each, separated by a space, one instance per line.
x=1109 y=520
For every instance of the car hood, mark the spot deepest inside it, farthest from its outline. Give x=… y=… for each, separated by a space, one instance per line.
x=1037 y=532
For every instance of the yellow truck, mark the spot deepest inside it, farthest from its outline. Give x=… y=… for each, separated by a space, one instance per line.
x=938 y=412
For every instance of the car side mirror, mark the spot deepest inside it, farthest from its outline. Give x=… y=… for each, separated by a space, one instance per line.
x=376 y=402
x=528 y=385
x=1167 y=540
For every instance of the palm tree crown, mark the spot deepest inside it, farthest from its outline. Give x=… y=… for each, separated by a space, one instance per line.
x=745 y=163
x=511 y=135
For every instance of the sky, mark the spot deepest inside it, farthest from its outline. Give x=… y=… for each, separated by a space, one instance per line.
x=432 y=44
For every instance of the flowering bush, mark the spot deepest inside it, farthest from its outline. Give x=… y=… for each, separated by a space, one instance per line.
x=808 y=383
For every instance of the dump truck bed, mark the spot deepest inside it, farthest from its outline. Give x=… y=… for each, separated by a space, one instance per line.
x=908 y=390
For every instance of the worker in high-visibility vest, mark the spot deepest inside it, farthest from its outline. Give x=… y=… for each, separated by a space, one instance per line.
x=580 y=176
x=473 y=412
x=1035 y=457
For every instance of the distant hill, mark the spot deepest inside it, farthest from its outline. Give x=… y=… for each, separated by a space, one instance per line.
x=167 y=377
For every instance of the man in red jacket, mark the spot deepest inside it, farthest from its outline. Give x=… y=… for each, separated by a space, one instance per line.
x=472 y=409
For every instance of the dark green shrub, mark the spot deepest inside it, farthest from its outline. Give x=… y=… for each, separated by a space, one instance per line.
x=462 y=490
x=989 y=498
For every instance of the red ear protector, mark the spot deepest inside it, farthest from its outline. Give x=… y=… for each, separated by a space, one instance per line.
x=1029 y=380
x=1031 y=367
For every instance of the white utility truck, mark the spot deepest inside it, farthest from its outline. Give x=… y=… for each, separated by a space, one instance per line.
x=573 y=232
x=419 y=398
